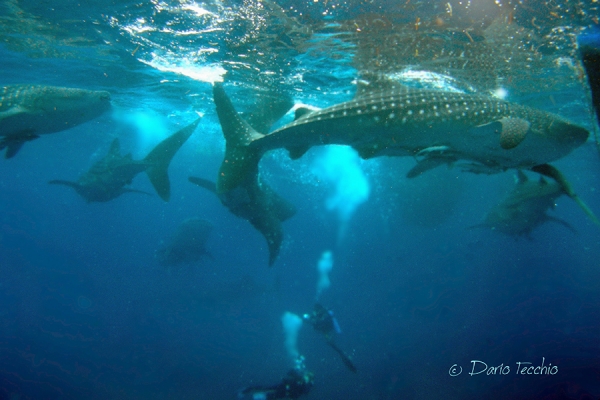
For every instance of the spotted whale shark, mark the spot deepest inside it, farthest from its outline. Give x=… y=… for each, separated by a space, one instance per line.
x=107 y=178
x=437 y=127
x=28 y=111
x=490 y=135
x=252 y=198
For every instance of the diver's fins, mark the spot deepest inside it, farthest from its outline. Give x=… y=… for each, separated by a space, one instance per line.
x=240 y=161
x=160 y=158
x=345 y=358
x=551 y=172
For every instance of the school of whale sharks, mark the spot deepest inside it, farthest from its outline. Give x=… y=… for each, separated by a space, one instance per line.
x=485 y=134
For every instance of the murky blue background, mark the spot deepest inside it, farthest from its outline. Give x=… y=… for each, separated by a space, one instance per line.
x=86 y=311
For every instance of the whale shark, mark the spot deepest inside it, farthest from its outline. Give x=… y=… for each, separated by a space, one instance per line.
x=188 y=243
x=489 y=134
x=252 y=198
x=438 y=127
x=524 y=208
x=28 y=111
x=107 y=178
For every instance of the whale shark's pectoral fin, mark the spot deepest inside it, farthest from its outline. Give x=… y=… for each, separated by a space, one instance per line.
x=125 y=190
x=563 y=223
x=12 y=149
x=521 y=178
x=13 y=143
x=512 y=131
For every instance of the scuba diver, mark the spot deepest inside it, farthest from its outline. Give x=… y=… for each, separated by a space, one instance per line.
x=325 y=323
x=297 y=382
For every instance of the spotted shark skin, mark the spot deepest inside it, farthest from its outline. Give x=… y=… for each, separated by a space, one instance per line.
x=28 y=111
x=406 y=121
x=492 y=134
x=442 y=127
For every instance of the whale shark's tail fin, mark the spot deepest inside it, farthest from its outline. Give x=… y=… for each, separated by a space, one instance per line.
x=240 y=160
x=550 y=171
x=160 y=157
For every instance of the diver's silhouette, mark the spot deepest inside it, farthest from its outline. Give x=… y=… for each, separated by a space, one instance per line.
x=325 y=323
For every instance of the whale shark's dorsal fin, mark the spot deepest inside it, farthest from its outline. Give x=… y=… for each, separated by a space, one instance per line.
x=301 y=112
x=13 y=148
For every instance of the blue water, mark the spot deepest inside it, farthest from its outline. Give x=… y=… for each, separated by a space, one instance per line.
x=86 y=311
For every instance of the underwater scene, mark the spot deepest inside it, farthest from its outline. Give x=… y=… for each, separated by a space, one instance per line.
x=283 y=199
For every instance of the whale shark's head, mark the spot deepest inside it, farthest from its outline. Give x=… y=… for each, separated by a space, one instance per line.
x=567 y=134
x=73 y=105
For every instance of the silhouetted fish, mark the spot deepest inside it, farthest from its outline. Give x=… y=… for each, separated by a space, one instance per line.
x=27 y=111
x=188 y=244
x=524 y=209
x=107 y=178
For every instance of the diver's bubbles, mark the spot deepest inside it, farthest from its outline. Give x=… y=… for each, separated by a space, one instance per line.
x=340 y=166
x=149 y=126
x=291 y=326
x=324 y=266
